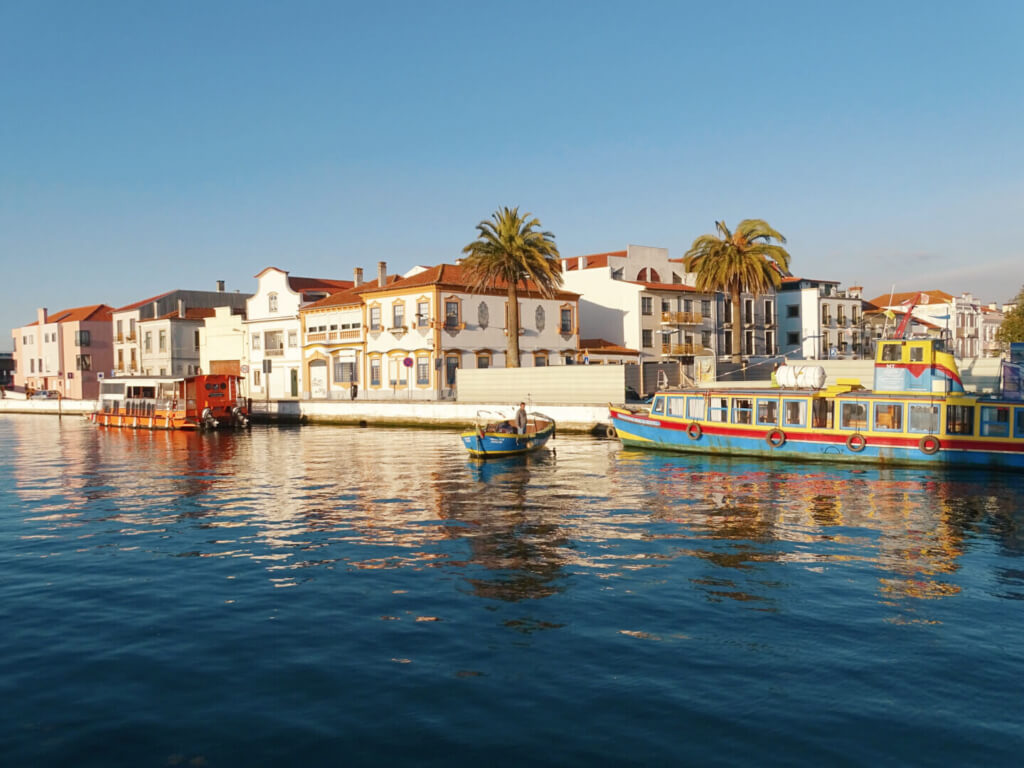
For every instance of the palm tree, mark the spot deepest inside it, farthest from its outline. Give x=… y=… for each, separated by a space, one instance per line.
x=511 y=251
x=735 y=262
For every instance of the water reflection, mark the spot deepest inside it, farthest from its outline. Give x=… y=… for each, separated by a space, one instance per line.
x=302 y=499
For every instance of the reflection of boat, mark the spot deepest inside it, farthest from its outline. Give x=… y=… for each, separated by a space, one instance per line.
x=166 y=402
x=917 y=413
x=495 y=435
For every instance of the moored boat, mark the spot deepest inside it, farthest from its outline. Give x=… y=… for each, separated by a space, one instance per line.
x=167 y=402
x=495 y=436
x=916 y=414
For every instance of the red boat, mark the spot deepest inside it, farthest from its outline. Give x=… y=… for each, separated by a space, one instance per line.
x=167 y=402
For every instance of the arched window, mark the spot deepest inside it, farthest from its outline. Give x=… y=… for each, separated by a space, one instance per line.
x=649 y=275
x=272 y=302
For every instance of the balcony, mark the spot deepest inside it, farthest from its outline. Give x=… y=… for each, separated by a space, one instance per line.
x=681 y=318
x=274 y=352
x=684 y=349
x=131 y=337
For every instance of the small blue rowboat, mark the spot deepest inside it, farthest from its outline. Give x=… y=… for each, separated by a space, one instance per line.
x=494 y=439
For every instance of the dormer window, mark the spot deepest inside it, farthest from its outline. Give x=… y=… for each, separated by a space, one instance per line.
x=272 y=302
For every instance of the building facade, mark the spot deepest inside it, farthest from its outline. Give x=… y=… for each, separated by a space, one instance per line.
x=817 y=321
x=222 y=342
x=66 y=352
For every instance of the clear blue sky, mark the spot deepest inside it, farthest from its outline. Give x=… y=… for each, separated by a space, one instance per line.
x=146 y=146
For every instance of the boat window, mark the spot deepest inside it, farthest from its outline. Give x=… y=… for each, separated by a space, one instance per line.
x=659 y=405
x=889 y=416
x=695 y=407
x=853 y=415
x=742 y=408
x=822 y=413
x=917 y=354
x=922 y=417
x=719 y=409
x=891 y=352
x=767 y=411
x=995 y=421
x=676 y=406
x=794 y=413
x=960 y=419
x=1018 y=422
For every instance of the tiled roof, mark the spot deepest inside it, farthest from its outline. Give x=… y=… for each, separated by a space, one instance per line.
x=664 y=286
x=142 y=303
x=316 y=284
x=351 y=295
x=603 y=347
x=191 y=313
x=594 y=260
x=452 y=277
x=899 y=316
x=96 y=313
x=934 y=297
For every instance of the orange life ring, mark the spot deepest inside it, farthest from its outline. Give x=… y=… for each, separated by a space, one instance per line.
x=929 y=444
x=856 y=442
x=776 y=438
x=694 y=431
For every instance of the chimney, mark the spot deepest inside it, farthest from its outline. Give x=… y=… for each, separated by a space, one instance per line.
x=220 y=286
x=181 y=307
x=156 y=310
x=41 y=316
x=358 y=274
x=582 y=262
x=382 y=273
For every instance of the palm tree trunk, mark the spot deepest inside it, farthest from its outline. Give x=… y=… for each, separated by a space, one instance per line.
x=512 y=353
x=737 y=328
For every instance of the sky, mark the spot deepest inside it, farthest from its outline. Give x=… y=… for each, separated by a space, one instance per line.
x=151 y=146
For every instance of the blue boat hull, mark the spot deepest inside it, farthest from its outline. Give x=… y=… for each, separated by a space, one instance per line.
x=485 y=445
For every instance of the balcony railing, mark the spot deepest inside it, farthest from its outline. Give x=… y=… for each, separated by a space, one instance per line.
x=274 y=352
x=684 y=349
x=334 y=335
x=681 y=318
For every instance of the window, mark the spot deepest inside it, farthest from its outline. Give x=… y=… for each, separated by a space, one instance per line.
x=423 y=371
x=273 y=341
x=794 y=413
x=1018 y=422
x=195 y=339
x=769 y=311
x=718 y=409
x=647 y=338
x=676 y=406
x=923 y=417
x=293 y=338
x=742 y=409
x=917 y=354
x=255 y=341
x=539 y=319
x=119 y=333
x=822 y=413
x=375 y=318
x=695 y=407
x=666 y=305
x=375 y=372
x=705 y=307
x=727 y=343
x=398 y=315
x=748 y=311
x=82 y=338
x=748 y=342
x=767 y=411
x=705 y=339
x=31 y=365
x=344 y=371
x=540 y=359
x=256 y=378
x=793 y=310
x=565 y=322
x=853 y=415
x=995 y=421
x=147 y=341
x=272 y=302
x=646 y=305
x=163 y=341
x=83 y=362
x=131 y=329
x=889 y=416
x=769 y=342
x=659 y=406
x=483 y=360
x=891 y=352
x=452 y=315
x=422 y=314
x=826 y=314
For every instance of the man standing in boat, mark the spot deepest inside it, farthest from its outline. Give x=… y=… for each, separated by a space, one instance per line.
x=521 y=419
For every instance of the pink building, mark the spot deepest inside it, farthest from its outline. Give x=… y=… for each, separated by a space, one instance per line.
x=67 y=352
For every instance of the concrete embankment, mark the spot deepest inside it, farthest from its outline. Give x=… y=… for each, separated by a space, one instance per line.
x=441 y=415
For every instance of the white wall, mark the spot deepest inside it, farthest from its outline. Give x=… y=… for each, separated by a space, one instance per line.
x=567 y=384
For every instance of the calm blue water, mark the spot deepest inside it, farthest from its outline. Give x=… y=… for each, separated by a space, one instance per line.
x=333 y=596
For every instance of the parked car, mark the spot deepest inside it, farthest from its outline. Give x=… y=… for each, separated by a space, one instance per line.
x=43 y=394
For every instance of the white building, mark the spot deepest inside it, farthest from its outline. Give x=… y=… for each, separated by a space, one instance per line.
x=959 y=316
x=222 y=342
x=419 y=330
x=273 y=350
x=817 y=320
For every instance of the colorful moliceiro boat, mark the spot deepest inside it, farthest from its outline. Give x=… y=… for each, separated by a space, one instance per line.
x=916 y=414
x=494 y=436
x=166 y=402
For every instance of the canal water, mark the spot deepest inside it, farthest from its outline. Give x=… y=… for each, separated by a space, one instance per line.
x=345 y=596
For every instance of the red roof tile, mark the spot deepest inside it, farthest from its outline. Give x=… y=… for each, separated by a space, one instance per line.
x=665 y=286
x=452 y=277
x=594 y=260
x=93 y=313
x=603 y=347
x=934 y=297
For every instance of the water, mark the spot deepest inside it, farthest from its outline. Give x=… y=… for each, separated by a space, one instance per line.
x=328 y=596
